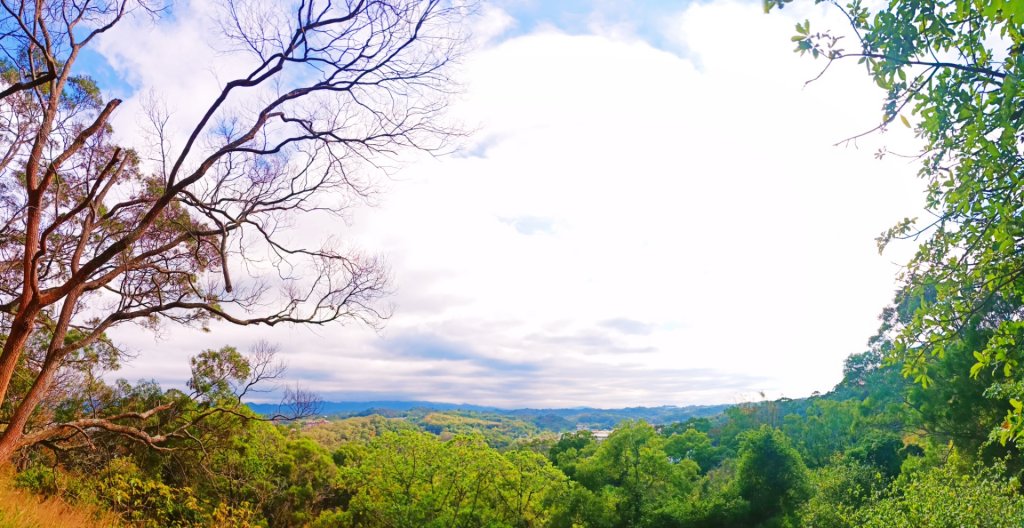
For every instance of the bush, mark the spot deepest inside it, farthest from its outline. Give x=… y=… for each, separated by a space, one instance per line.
x=840 y=490
x=947 y=497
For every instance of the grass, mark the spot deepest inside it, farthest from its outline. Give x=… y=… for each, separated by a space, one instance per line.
x=22 y=509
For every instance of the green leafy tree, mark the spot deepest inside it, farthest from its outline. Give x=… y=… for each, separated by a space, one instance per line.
x=306 y=479
x=827 y=428
x=868 y=377
x=840 y=490
x=947 y=496
x=957 y=405
x=570 y=448
x=145 y=501
x=416 y=479
x=771 y=476
x=738 y=420
x=881 y=450
x=694 y=445
x=528 y=488
x=952 y=71
x=633 y=471
x=580 y=507
x=248 y=472
x=122 y=419
x=702 y=424
x=354 y=430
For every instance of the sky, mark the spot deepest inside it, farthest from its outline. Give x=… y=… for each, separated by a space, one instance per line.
x=650 y=210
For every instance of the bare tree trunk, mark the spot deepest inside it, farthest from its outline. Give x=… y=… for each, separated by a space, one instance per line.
x=11 y=436
x=21 y=330
x=28 y=309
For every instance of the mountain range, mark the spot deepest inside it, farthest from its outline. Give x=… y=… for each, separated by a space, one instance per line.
x=559 y=418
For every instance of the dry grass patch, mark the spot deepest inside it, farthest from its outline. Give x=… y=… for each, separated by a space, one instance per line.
x=22 y=509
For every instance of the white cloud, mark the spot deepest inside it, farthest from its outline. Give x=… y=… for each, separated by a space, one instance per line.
x=491 y=23
x=694 y=191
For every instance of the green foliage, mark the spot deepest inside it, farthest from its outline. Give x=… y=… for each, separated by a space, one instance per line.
x=826 y=428
x=579 y=507
x=868 y=377
x=499 y=431
x=947 y=497
x=840 y=490
x=262 y=474
x=702 y=424
x=38 y=479
x=722 y=472
x=738 y=420
x=635 y=476
x=215 y=373
x=694 y=445
x=570 y=448
x=771 y=475
x=716 y=509
x=338 y=433
x=304 y=478
x=882 y=451
x=956 y=68
x=81 y=92
x=415 y=479
x=145 y=501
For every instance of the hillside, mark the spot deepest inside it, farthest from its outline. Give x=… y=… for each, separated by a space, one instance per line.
x=556 y=420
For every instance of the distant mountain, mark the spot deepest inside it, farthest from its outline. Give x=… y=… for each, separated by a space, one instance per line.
x=595 y=418
x=329 y=408
x=548 y=419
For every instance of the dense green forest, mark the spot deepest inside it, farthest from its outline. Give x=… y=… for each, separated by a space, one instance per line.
x=557 y=420
x=878 y=450
x=924 y=429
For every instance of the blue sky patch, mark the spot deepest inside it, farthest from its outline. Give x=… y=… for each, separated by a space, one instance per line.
x=645 y=18
x=111 y=83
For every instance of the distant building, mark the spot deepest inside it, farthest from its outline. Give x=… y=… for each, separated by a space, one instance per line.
x=597 y=434
x=313 y=423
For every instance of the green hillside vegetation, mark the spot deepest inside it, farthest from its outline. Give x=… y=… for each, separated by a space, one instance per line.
x=557 y=420
x=335 y=433
x=865 y=454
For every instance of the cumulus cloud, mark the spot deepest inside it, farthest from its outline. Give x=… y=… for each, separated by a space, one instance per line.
x=651 y=212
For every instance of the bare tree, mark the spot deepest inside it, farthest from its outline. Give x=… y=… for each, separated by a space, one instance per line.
x=91 y=237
